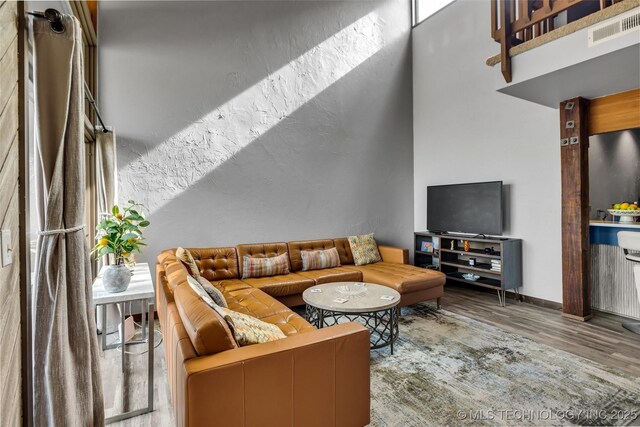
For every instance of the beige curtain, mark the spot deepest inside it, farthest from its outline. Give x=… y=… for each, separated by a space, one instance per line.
x=66 y=374
x=106 y=171
x=106 y=181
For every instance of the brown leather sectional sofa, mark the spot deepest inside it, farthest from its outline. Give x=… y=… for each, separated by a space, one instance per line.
x=311 y=378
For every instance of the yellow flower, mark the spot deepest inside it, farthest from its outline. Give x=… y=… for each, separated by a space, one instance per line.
x=119 y=215
x=103 y=242
x=132 y=240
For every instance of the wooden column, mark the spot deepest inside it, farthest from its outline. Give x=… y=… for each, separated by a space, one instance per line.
x=574 y=155
x=506 y=38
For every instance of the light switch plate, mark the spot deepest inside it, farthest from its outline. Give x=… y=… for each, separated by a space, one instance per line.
x=7 y=250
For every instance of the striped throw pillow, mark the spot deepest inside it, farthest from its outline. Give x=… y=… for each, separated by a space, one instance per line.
x=320 y=259
x=265 y=267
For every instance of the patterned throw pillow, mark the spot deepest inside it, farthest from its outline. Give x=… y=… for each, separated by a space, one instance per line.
x=317 y=260
x=187 y=259
x=248 y=330
x=364 y=249
x=213 y=292
x=198 y=289
x=264 y=267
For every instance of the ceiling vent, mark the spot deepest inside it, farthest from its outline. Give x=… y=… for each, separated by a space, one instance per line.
x=614 y=28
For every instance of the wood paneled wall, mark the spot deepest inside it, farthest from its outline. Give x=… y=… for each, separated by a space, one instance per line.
x=615 y=112
x=10 y=343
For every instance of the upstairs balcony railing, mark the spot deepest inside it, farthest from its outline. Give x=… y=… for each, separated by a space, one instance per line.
x=518 y=21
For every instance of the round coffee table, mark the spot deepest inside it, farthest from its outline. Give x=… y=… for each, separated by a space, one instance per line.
x=375 y=306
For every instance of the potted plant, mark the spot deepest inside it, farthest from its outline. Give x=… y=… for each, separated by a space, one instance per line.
x=120 y=235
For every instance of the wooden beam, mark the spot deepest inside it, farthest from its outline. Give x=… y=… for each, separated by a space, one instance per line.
x=615 y=112
x=505 y=40
x=574 y=155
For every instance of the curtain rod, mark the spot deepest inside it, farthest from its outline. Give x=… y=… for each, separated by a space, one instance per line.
x=87 y=93
x=55 y=20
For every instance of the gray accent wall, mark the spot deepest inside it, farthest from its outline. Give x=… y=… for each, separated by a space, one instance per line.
x=465 y=131
x=614 y=169
x=244 y=122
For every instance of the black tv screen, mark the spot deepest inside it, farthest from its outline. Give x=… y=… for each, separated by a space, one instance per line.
x=466 y=208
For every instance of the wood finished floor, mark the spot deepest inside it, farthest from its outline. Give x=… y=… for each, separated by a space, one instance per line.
x=602 y=340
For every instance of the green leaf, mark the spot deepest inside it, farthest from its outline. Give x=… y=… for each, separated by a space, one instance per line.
x=128 y=236
x=144 y=223
x=115 y=210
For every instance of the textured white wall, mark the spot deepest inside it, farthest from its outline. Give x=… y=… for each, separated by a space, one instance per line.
x=244 y=122
x=466 y=132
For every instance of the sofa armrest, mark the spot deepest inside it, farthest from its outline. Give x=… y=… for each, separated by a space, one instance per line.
x=394 y=254
x=314 y=378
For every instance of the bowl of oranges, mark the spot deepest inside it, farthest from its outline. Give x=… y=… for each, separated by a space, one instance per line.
x=626 y=211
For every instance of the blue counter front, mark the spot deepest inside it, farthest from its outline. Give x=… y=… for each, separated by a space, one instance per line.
x=606 y=232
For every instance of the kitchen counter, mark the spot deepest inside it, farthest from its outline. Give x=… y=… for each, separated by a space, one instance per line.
x=606 y=232
x=616 y=224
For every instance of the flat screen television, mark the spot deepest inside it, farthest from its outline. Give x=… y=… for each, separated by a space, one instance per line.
x=465 y=208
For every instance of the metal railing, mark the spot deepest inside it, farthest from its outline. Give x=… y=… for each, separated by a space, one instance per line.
x=518 y=21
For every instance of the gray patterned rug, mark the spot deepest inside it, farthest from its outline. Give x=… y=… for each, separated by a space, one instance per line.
x=448 y=369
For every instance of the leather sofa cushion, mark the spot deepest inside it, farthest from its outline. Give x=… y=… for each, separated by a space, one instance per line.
x=263 y=250
x=276 y=286
x=175 y=271
x=256 y=303
x=307 y=245
x=344 y=250
x=336 y=274
x=230 y=285
x=401 y=277
x=207 y=330
x=216 y=263
x=290 y=323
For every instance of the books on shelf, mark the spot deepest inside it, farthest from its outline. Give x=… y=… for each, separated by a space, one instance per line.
x=496 y=265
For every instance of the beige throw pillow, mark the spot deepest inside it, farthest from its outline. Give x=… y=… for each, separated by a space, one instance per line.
x=364 y=249
x=248 y=330
x=198 y=289
x=213 y=292
x=187 y=259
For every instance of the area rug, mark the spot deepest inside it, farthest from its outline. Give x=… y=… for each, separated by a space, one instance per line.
x=448 y=369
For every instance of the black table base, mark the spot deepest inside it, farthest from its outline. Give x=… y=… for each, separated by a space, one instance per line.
x=382 y=324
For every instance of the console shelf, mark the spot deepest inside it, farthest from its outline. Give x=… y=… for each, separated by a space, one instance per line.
x=446 y=253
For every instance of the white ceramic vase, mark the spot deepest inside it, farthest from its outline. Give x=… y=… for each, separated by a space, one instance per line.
x=116 y=278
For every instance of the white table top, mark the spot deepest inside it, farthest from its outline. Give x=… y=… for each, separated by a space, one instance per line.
x=141 y=287
x=361 y=297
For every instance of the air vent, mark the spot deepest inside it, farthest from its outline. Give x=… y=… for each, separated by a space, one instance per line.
x=614 y=28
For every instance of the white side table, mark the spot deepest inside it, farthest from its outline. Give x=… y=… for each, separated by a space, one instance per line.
x=140 y=289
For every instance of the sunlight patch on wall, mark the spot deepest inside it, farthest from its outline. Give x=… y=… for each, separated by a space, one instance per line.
x=188 y=156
